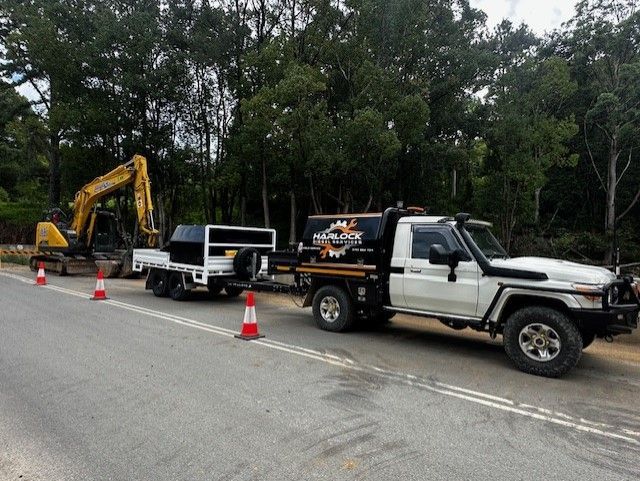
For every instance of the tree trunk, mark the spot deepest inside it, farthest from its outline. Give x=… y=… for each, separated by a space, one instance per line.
x=454 y=183
x=536 y=215
x=292 y=224
x=243 y=210
x=54 y=170
x=214 y=205
x=160 y=218
x=612 y=180
x=312 y=193
x=265 y=195
x=368 y=206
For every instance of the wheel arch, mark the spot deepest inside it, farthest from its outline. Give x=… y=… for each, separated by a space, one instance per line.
x=318 y=282
x=515 y=301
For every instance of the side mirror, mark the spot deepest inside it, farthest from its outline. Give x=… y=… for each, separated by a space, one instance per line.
x=440 y=255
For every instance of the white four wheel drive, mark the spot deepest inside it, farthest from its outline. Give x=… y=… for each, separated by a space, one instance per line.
x=547 y=310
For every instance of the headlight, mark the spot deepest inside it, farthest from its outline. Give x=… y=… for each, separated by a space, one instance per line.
x=590 y=291
x=614 y=292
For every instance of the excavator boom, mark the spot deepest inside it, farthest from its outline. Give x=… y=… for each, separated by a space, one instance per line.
x=133 y=172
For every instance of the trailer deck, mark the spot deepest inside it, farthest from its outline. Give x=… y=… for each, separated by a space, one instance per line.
x=205 y=252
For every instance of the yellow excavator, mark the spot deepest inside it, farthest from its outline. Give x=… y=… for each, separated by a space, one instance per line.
x=90 y=239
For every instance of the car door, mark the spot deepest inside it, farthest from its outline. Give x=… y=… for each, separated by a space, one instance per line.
x=426 y=285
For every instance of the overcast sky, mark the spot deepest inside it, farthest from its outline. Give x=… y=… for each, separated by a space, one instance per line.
x=540 y=15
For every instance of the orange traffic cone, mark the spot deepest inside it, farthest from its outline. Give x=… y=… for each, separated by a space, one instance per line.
x=41 y=280
x=99 y=294
x=250 y=322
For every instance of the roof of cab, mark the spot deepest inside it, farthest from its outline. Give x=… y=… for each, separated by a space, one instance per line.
x=437 y=219
x=425 y=219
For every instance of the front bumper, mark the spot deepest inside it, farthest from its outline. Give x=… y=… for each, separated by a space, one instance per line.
x=618 y=320
x=619 y=314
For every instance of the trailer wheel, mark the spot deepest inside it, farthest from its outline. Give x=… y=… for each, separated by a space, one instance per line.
x=233 y=291
x=177 y=290
x=333 y=309
x=158 y=283
x=542 y=341
x=243 y=261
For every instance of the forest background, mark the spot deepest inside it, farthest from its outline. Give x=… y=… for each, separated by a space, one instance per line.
x=261 y=112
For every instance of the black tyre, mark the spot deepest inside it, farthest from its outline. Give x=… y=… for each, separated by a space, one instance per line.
x=177 y=291
x=587 y=338
x=243 y=262
x=542 y=341
x=233 y=291
x=158 y=283
x=333 y=309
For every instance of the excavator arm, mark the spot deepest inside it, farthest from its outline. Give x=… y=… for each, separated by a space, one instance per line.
x=133 y=172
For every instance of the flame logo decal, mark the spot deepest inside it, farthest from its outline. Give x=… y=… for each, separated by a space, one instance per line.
x=339 y=237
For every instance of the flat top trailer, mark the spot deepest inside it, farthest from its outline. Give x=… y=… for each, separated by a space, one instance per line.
x=201 y=255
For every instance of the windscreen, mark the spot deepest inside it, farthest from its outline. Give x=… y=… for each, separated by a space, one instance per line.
x=486 y=241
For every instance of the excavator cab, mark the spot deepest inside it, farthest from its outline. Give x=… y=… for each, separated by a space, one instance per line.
x=105 y=232
x=54 y=233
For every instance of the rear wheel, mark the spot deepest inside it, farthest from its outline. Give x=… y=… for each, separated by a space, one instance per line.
x=333 y=309
x=177 y=291
x=158 y=283
x=542 y=341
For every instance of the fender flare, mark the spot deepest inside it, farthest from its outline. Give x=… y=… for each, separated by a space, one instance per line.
x=506 y=292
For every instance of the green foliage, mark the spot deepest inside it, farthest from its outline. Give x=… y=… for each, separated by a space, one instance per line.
x=15 y=259
x=18 y=213
x=264 y=112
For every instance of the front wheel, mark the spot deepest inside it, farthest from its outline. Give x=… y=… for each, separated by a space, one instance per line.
x=542 y=341
x=333 y=309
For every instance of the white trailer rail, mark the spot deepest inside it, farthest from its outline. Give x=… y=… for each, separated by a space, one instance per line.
x=213 y=265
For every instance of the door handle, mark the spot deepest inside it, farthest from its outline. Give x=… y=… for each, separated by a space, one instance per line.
x=415 y=269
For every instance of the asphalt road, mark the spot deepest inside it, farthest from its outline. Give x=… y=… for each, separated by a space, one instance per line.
x=143 y=388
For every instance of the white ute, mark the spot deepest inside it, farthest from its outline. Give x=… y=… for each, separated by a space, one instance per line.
x=454 y=270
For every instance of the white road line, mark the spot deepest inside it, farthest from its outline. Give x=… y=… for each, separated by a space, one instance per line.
x=488 y=400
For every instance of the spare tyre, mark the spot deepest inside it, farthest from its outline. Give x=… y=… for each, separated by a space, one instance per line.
x=243 y=262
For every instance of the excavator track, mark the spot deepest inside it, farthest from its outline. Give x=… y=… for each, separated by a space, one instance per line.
x=62 y=265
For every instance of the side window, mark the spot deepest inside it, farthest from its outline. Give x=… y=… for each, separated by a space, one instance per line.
x=426 y=236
